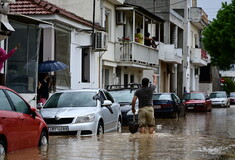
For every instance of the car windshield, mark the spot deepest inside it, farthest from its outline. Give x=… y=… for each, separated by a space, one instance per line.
x=71 y=99
x=218 y=95
x=232 y=94
x=121 y=96
x=162 y=97
x=194 y=96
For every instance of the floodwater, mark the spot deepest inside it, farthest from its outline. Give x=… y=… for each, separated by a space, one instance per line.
x=198 y=136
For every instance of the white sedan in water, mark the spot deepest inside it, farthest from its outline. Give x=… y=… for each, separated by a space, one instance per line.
x=82 y=112
x=219 y=98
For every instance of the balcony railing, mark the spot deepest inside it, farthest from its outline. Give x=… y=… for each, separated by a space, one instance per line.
x=198 y=17
x=134 y=53
x=199 y=57
x=170 y=54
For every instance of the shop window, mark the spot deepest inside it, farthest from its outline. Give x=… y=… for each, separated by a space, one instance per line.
x=62 y=53
x=21 y=68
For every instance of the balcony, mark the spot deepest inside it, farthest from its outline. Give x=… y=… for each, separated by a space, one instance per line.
x=198 y=17
x=199 y=57
x=168 y=53
x=136 y=55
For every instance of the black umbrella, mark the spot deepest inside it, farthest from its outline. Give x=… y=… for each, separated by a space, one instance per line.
x=133 y=126
x=51 y=66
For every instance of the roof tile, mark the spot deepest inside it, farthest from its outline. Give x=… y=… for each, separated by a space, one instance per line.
x=43 y=7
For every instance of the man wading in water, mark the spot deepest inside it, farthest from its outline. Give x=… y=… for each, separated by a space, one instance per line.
x=146 y=111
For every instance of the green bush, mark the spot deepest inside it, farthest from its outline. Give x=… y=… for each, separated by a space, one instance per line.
x=229 y=85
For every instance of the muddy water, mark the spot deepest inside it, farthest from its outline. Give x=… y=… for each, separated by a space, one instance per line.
x=199 y=136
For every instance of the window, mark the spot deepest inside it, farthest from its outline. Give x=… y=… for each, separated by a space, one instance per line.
x=22 y=66
x=71 y=99
x=125 y=80
x=107 y=22
x=132 y=79
x=108 y=95
x=19 y=103
x=85 y=65
x=62 y=53
x=5 y=105
x=106 y=77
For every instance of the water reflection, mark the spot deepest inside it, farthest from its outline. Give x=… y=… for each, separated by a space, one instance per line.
x=199 y=136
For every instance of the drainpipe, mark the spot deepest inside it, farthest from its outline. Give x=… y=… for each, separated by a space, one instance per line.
x=100 y=69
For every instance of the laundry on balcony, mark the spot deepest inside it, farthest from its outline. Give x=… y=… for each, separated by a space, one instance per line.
x=203 y=54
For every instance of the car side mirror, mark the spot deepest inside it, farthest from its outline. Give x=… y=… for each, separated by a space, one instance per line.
x=95 y=97
x=39 y=106
x=107 y=103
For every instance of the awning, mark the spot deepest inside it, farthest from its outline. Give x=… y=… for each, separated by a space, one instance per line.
x=5 y=25
x=26 y=19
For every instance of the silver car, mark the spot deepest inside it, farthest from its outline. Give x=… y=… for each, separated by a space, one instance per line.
x=219 y=98
x=82 y=112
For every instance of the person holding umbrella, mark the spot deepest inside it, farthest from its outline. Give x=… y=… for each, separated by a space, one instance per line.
x=44 y=85
x=146 y=111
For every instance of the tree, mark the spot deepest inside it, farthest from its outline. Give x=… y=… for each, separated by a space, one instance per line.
x=229 y=85
x=219 y=37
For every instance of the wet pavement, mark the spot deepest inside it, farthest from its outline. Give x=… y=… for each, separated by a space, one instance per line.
x=198 y=136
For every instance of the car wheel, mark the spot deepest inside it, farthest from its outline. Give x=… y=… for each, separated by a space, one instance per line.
x=119 y=126
x=43 y=139
x=2 y=148
x=100 y=129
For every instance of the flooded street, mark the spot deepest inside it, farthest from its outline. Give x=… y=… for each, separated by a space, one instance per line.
x=198 y=136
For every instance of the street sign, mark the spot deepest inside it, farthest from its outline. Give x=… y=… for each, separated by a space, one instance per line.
x=222 y=80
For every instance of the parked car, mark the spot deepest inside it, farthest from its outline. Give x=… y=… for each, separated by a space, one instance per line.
x=21 y=126
x=197 y=101
x=168 y=104
x=219 y=98
x=124 y=95
x=82 y=112
x=232 y=97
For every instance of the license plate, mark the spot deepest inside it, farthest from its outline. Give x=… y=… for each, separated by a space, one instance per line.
x=59 y=129
x=190 y=107
x=157 y=107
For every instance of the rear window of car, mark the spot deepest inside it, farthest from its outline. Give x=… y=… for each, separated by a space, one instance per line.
x=122 y=95
x=162 y=97
x=71 y=99
x=194 y=96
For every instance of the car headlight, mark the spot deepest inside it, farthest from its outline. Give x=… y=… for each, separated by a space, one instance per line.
x=86 y=118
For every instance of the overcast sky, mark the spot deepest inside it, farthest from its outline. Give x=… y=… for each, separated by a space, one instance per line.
x=211 y=6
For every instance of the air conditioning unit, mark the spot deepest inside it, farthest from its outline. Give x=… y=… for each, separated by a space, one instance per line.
x=120 y=17
x=101 y=40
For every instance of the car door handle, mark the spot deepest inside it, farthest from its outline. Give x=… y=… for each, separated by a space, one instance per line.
x=3 y=117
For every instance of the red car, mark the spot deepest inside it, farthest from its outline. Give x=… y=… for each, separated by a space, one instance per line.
x=197 y=101
x=20 y=125
x=232 y=97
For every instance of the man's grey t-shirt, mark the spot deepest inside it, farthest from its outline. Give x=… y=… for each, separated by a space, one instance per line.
x=145 y=96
